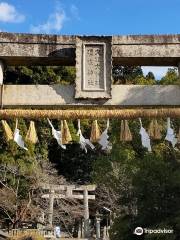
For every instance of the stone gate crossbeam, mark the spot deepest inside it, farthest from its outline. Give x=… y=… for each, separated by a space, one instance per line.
x=93 y=57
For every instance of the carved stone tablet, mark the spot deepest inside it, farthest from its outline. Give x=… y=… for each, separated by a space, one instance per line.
x=93 y=67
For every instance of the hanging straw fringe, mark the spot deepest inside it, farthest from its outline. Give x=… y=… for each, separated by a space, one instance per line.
x=95 y=132
x=7 y=130
x=31 y=134
x=154 y=130
x=125 y=134
x=65 y=132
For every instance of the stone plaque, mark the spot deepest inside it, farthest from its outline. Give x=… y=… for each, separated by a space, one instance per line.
x=93 y=67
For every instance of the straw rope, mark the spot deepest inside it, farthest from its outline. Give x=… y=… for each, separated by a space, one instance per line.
x=89 y=114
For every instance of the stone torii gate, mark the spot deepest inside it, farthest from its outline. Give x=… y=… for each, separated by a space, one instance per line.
x=93 y=57
x=70 y=192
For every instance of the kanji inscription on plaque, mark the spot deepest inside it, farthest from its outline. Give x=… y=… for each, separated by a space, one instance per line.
x=93 y=67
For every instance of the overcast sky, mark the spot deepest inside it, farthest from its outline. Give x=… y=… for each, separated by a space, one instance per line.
x=99 y=17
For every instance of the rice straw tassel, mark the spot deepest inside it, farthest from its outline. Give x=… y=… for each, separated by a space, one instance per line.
x=95 y=132
x=154 y=130
x=65 y=132
x=31 y=135
x=125 y=134
x=7 y=130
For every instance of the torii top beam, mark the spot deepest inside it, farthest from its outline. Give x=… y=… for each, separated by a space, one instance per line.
x=29 y=49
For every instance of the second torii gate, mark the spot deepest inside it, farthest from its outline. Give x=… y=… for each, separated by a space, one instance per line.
x=70 y=192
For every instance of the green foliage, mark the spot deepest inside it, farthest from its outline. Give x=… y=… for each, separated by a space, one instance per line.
x=73 y=163
x=132 y=75
x=12 y=154
x=150 y=75
x=141 y=80
x=155 y=192
x=171 y=77
x=39 y=75
x=126 y=74
x=147 y=184
x=20 y=169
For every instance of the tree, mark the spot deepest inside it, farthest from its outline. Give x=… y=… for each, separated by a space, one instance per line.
x=150 y=75
x=145 y=185
x=126 y=74
x=137 y=186
x=39 y=75
x=141 y=80
x=171 y=77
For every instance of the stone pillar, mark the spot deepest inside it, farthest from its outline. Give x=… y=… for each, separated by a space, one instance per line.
x=51 y=207
x=79 y=230
x=1 y=72
x=86 y=214
x=82 y=228
x=98 y=228
x=105 y=233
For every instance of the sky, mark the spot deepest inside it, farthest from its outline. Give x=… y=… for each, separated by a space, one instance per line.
x=91 y=17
